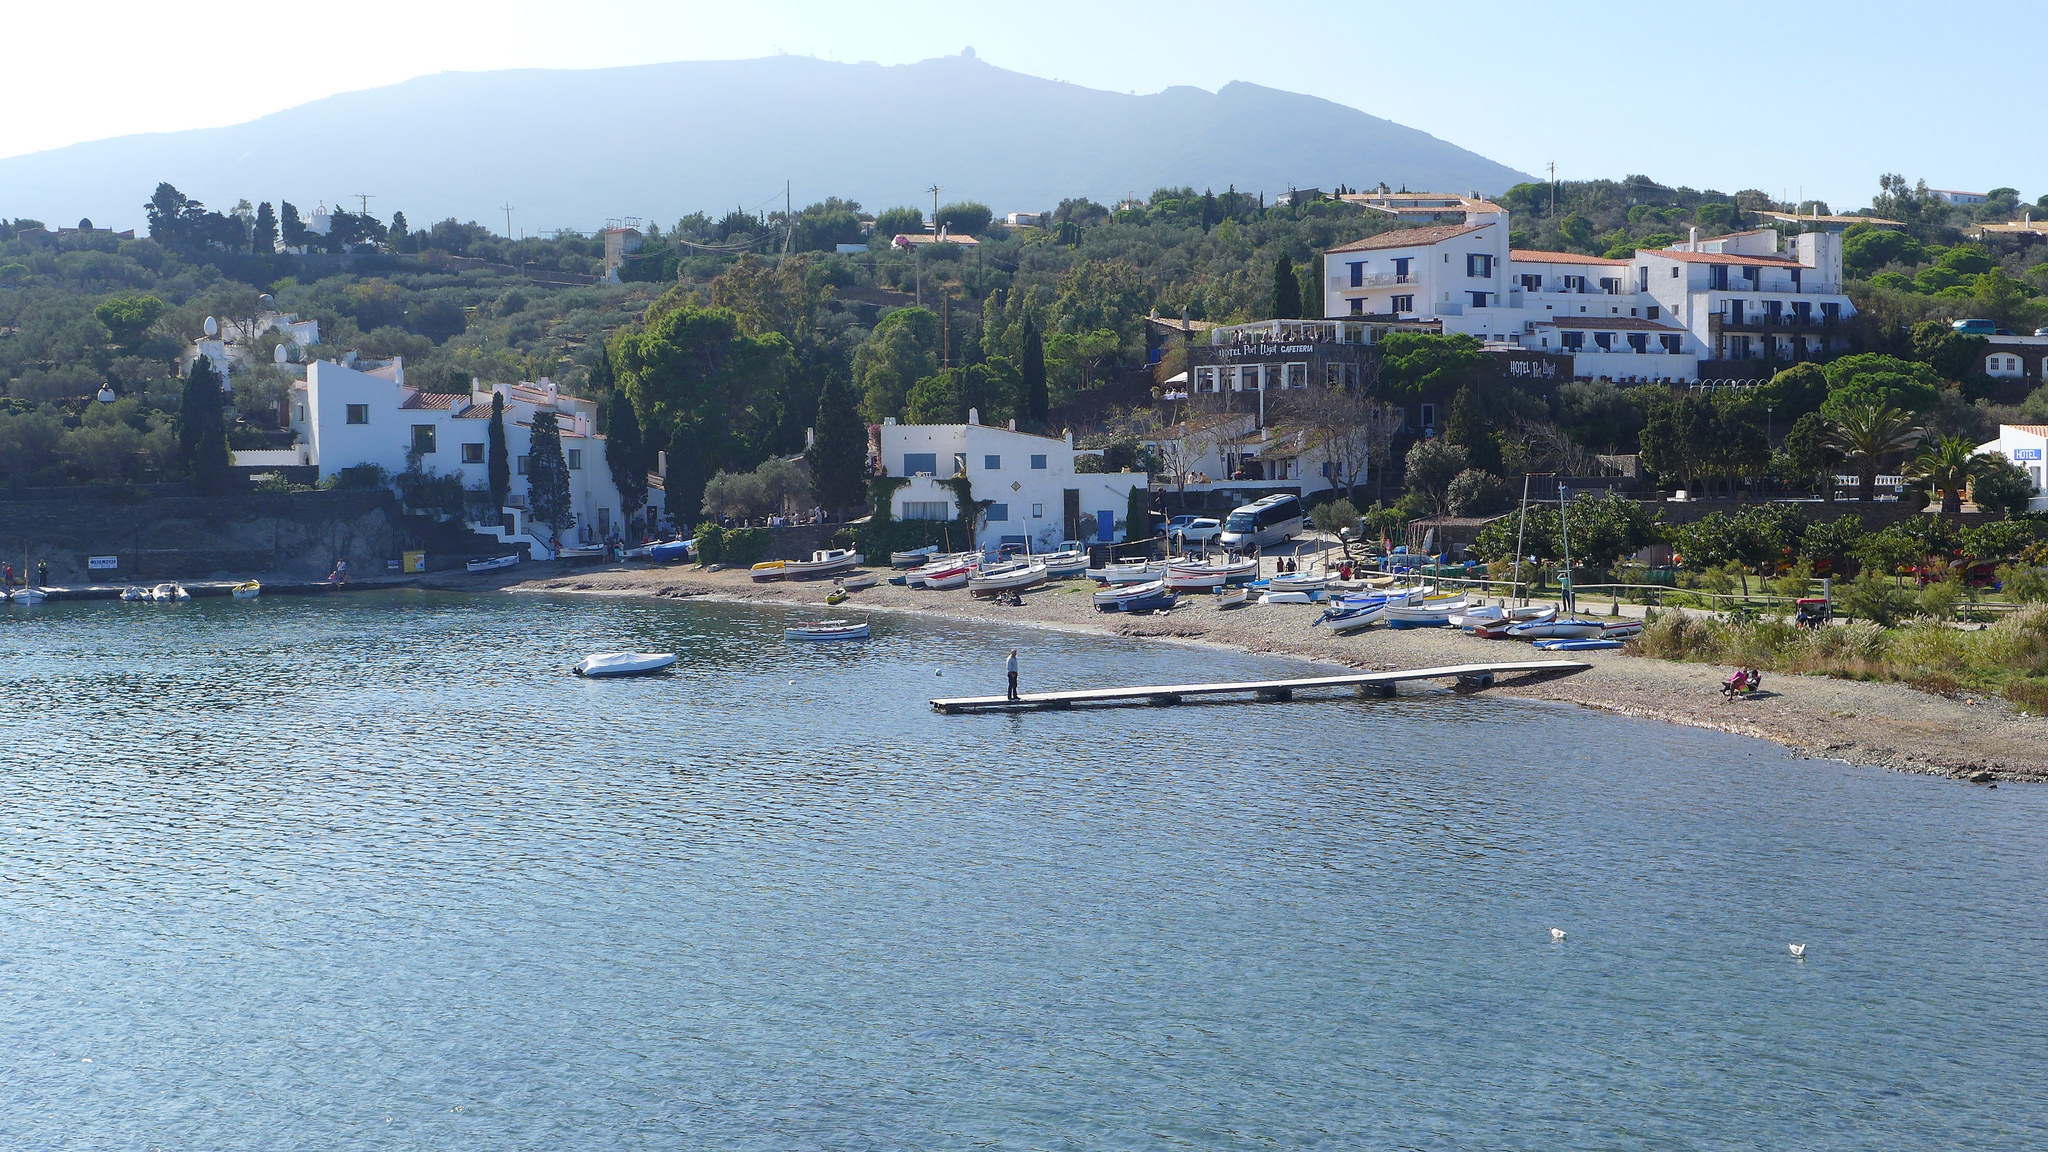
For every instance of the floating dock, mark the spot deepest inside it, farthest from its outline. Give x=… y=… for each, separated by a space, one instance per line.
x=1364 y=683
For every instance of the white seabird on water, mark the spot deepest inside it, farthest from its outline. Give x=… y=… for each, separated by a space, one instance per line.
x=1798 y=951
x=1557 y=933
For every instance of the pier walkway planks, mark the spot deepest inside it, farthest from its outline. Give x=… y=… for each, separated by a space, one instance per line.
x=1366 y=683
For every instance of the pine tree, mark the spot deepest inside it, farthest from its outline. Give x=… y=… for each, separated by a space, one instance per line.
x=290 y=226
x=625 y=452
x=202 y=430
x=547 y=474
x=1286 y=290
x=838 y=454
x=498 y=462
x=263 y=241
x=1037 y=404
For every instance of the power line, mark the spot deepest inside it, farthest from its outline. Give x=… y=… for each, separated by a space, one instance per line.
x=507 y=209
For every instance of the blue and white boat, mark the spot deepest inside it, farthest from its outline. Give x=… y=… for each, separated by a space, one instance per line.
x=1587 y=645
x=670 y=551
x=1114 y=597
x=1343 y=620
x=1428 y=612
x=1160 y=599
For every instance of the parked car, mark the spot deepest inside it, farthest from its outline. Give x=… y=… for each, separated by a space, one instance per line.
x=1976 y=327
x=1198 y=530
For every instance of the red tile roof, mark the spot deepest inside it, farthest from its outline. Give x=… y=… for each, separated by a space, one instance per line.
x=1411 y=237
x=1726 y=258
x=1531 y=256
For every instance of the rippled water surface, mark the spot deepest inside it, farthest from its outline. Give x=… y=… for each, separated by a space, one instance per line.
x=372 y=872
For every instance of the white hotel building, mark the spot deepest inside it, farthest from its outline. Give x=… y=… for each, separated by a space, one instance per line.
x=1652 y=317
x=346 y=417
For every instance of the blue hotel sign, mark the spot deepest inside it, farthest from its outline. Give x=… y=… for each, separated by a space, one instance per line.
x=2026 y=453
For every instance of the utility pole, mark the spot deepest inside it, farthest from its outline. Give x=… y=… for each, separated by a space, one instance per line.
x=935 y=190
x=1553 y=187
x=507 y=209
x=788 y=221
x=365 y=198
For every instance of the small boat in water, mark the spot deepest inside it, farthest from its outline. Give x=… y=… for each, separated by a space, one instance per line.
x=1014 y=576
x=169 y=592
x=823 y=562
x=914 y=557
x=132 y=593
x=247 y=590
x=494 y=563
x=826 y=630
x=27 y=596
x=605 y=664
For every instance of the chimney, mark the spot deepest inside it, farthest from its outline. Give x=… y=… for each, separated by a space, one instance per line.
x=810 y=439
x=1695 y=237
x=974 y=415
x=1013 y=423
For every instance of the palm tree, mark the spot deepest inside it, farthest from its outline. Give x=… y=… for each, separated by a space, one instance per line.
x=1947 y=465
x=1868 y=434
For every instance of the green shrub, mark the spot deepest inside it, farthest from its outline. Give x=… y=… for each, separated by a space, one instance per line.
x=2024 y=582
x=2028 y=695
x=1872 y=597
x=710 y=545
x=744 y=546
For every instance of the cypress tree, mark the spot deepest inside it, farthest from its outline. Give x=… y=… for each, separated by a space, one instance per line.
x=625 y=452
x=1037 y=403
x=1466 y=427
x=263 y=241
x=838 y=455
x=547 y=474
x=202 y=429
x=498 y=461
x=1286 y=290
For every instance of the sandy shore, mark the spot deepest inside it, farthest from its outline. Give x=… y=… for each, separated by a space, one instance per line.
x=1866 y=723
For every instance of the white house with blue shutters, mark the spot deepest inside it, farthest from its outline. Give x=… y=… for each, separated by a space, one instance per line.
x=1036 y=495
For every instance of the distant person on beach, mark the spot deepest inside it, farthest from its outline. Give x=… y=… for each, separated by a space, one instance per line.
x=340 y=573
x=42 y=573
x=6 y=575
x=1010 y=666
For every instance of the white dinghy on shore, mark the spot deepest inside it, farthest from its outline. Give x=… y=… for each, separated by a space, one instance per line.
x=607 y=664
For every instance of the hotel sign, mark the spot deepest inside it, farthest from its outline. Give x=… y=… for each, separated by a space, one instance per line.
x=1268 y=349
x=2026 y=453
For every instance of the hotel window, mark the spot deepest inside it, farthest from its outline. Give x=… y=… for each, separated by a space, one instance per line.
x=1401 y=269
x=1604 y=340
x=472 y=453
x=916 y=462
x=1575 y=283
x=1402 y=304
x=1653 y=312
x=359 y=413
x=1639 y=341
x=522 y=465
x=1479 y=266
x=1610 y=285
x=927 y=510
x=1295 y=376
x=1674 y=271
x=1478 y=299
x=998 y=513
x=1038 y=461
x=1572 y=341
x=1205 y=378
x=992 y=462
x=575 y=458
x=1672 y=343
x=1357 y=307
x=423 y=439
x=1038 y=511
x=1358 y=274
x=1532 y=283
x=1429 y=415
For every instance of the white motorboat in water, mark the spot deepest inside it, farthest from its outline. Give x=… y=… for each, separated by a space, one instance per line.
x=604 y=664
x=1014 y=576
x=493 y=564
x=27 y=596
x=823 y=562
x=247 y=590
x=826 y=630
x=132 y=593
x=168 y=592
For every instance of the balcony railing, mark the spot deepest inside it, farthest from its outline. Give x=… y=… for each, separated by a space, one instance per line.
x=1374 y=280
x=1784 y=322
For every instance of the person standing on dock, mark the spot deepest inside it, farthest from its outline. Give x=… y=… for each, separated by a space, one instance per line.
x=42 y=573
x=1010 y=666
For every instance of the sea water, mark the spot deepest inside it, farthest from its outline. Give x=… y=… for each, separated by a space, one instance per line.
x=373 y=872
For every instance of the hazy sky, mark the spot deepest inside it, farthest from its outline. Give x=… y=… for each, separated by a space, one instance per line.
x=1789 y=96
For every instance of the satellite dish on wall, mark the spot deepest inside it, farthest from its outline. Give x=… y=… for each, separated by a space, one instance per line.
x=277 y=354
x=212 y=326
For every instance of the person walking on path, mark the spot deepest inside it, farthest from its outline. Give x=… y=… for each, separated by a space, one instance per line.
x=1010 y=666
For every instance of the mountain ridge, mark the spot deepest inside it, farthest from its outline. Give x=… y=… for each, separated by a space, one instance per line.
x=678 y=137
